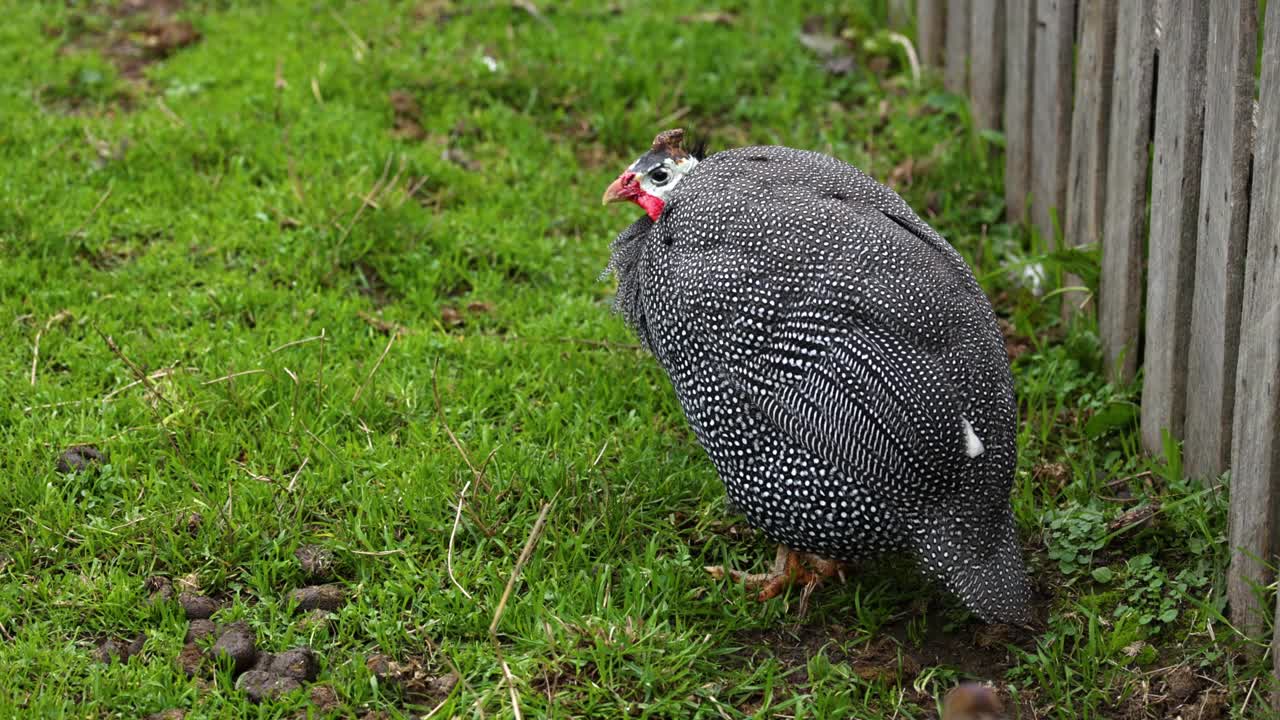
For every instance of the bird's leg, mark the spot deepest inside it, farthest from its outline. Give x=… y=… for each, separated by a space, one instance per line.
x=823 y=568
x=789 y=568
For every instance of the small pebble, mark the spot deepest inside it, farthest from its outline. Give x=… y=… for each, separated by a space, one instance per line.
x=314 y=621
x=236 y=643
x=1182 y=684
x=317 y=562
x=113 y=651
x=197 y=607
x=258 y=685
x=200 y=629
x=108 y=651
x=263 y=662
x=440 y=685
x=78 y=458
x=298 y=663
x=410 y=678
x=324 y=697
x=159 y=590
x=190 y=659
x=383 y=667
x=318 y=597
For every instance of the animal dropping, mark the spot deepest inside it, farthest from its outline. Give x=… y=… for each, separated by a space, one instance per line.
x=835 y=358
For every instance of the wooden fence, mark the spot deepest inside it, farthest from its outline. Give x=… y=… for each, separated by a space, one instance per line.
x=1134 y=124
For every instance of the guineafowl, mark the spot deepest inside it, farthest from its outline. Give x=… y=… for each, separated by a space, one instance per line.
x=835 y=358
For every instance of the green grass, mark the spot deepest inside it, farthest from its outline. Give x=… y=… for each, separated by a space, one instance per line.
x=207 y=217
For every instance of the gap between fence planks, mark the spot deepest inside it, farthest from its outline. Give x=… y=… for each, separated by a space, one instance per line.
x=1051 y=115
x=986 y=62
x=1090 y=125
x=1019 y=62
x=1175 y=196
x=1125 y=213
x=1223 y=221
x=1255 y=447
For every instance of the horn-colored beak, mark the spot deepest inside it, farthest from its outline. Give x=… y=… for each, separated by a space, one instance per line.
x=623 y=189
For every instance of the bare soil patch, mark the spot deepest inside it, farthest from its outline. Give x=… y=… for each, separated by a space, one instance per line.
x=132 y=34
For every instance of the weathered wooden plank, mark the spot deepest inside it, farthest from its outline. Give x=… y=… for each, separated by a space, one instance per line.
x=1255 y=442
x=930 y=26
x=1090 y=125
x=1162 y=20
x=986 y=61
x=1051 y=114
x=1175 y=197
x=1223 y=232
x=956 y=76
x=899 y=14
x=1125 y=217
x=1019 y=65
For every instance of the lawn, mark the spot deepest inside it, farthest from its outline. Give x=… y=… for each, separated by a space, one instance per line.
x=319 y=284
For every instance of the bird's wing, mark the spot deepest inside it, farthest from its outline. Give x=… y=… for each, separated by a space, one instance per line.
x=863 y=360
x=859 y=392
x=852 y=325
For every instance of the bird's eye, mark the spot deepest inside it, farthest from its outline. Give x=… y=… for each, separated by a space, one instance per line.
x=660 y=176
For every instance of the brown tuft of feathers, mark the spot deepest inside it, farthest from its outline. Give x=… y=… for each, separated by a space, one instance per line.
x=670 y=142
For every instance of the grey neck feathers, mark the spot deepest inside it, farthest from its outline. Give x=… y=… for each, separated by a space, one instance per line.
x=626 y=263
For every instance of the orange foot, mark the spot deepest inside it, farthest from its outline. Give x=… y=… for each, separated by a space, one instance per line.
x=789 y=568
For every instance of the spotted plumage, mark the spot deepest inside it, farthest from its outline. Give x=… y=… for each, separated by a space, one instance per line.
x=836 y=359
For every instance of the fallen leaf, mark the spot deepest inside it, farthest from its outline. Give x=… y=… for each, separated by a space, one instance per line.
x=408 y=116
x=1134 y=517
x=386 y=327
x=1055 y=473
x=822 y=44
x=712 y=17
x=460 y=157
x=879 y=65
x=1134 y=648
x=318 y=597
x=902 y=173
x=450 y=316
x=842 y=65
x=411 y=678
x=163 y=37
x=324 y=698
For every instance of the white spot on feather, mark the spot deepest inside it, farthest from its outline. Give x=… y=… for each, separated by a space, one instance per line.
x=972 y=443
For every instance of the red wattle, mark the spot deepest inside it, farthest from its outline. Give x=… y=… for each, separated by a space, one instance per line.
x=651 y=204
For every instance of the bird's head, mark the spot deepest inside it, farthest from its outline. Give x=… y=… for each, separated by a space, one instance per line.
x=651 y=178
